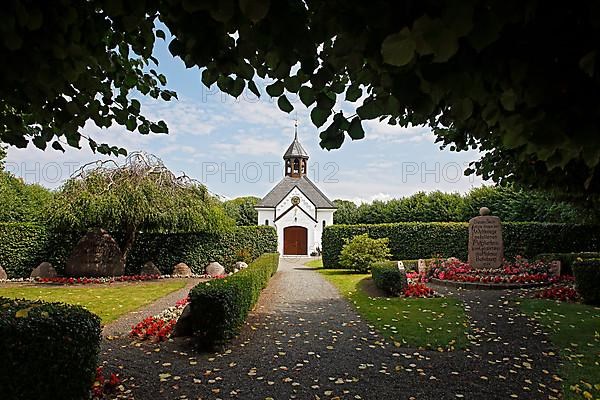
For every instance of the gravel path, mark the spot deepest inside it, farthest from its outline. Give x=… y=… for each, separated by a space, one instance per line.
x=123 y=325
x=303 y=341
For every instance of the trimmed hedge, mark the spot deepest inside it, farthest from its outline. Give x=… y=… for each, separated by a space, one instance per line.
x=413 y=240
x=587 y=280
x=219 y=308
x=566 y=259
x=244 y=243
x=49 y=350
x=24 y=245
x=388 y=277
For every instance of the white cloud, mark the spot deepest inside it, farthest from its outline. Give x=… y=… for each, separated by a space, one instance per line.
x=251 y=145
x=184 y=116
x=380 y=131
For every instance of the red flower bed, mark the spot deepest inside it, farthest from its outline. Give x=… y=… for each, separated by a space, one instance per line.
x=418 y=290
x=183 y=302
x=88 y=281
x=153 y=328
x=562 y=293
x=417 y=277
x=519 y=272
x=103 y=386
x=159 y=327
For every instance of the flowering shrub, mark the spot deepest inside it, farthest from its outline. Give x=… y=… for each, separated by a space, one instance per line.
x=102 y=386
x=558 y=292
x=418 y=290
x=159 y=327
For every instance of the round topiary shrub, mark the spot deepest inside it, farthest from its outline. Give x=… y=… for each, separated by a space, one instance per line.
x=49 y=350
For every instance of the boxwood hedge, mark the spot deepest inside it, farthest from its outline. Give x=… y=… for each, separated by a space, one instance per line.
x=388 y=277
x=24 y=245
x=49 y=350
x=220 y=307
x=587 y=279
x=413 y=240
x=566 y=259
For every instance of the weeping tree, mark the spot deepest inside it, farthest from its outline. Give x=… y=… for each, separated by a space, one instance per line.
x=139 y=195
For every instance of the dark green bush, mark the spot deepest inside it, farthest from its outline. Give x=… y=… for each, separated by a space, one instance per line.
x=362 y=251
x=566 y=259
x=388 y=278
x=220 y=307
x=49 y=350
x=587 y=279
x=413 y=240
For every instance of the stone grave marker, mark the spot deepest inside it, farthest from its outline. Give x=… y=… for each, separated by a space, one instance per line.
x=486 y=248
x=421 y=266
x=400 y=266
x=555 y=267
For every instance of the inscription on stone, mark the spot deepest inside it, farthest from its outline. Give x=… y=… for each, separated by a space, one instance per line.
x=486 y=248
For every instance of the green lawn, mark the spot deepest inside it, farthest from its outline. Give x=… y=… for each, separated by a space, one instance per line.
x=575 y=331
x=107 y=301
x=434 y=323
x=315 y=263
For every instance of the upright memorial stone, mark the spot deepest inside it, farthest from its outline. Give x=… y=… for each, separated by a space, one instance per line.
x=486 y=248
x=421 y=266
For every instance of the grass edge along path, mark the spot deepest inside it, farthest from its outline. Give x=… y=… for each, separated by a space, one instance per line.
x=107 y=301
x=424 y=323
x=575 y=332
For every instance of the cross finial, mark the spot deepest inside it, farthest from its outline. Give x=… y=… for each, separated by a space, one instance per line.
x=296 y=127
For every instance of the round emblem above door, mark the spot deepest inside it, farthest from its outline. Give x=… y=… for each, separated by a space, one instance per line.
x=295 y=200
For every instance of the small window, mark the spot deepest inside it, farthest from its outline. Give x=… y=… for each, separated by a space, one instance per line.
x=266 y=222
x=324 y=223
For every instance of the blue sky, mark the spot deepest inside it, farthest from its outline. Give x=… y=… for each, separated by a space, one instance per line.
x=234 y=146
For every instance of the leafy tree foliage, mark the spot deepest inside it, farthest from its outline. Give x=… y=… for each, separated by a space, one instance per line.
x=346 y=212
x=65 y=63
x=2 y=156
x=361 y=252
x=242 y=211
x=508 y=203
x=20 y=202
x=141 y=194
x=516 y=79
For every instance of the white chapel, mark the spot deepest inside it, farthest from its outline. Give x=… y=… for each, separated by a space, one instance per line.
x=296 y=207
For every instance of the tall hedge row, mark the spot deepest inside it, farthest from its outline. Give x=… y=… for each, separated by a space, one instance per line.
x=412 y=240
x=24 y=245
x=244 y=243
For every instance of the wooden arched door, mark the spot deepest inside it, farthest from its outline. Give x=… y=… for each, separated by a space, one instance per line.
x=295 y=239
